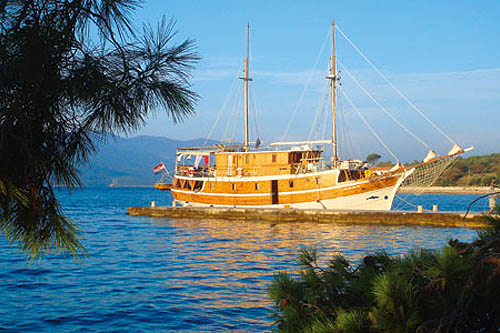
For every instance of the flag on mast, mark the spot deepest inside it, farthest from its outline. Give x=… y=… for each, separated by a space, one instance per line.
x=159 y=167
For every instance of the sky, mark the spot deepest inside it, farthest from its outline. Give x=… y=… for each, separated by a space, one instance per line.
x=443 y=55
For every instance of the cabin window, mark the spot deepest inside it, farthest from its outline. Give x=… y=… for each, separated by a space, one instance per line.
x=342 y=177
x=187 y=185
x=198 y=185
x=290 y=183
x=177 y=183
x=247 y=160
x=257 y=186
x=318 y=180
x=295 y=157
x=212 y=185
x=233 y=187
x=273 y=158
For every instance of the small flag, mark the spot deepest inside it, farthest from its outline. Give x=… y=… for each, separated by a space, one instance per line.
x=159 y=167
x=206 y=159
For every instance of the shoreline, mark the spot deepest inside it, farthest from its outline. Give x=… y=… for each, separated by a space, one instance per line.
x=446 y=190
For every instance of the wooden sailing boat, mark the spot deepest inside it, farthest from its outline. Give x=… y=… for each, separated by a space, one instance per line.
x=293 y=177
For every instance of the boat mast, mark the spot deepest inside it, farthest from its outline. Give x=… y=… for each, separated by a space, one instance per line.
x=245 y=86
x=333 y=79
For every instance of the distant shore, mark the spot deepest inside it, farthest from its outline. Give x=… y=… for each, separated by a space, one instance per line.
x=447 y=189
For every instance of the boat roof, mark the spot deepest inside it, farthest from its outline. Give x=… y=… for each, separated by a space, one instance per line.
x=199 y=151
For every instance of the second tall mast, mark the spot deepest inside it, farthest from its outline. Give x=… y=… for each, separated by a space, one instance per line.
x=333 y=79
x=245 y=86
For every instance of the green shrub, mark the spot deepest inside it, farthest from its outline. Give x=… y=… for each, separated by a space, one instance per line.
x=451 y=290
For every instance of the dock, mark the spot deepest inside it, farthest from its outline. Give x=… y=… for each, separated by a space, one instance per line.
x=435 y=219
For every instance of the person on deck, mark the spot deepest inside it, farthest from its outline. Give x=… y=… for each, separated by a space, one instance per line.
x=492 y=197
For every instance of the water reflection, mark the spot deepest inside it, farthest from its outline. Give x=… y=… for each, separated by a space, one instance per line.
x=229 y=264
x=149 y=274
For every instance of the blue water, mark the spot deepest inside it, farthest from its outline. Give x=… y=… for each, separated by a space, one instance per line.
x=162 y=274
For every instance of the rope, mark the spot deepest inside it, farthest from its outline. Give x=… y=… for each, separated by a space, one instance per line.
x=482 y=196
x=383 y=108
x=410 y=203
x=230 y=93
x=254 y=99
x=319 y=113
x=393 y=87
x=255 y=115
x=234 y=116
x=366 y=123
x=345 y=130
x=301 y=98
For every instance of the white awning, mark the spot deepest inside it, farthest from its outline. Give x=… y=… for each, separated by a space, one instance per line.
x=196 y=152
x=291 y=143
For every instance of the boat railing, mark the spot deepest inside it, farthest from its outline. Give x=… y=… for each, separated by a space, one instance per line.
x=210 y=171
x=191 y=171
x=308 y=167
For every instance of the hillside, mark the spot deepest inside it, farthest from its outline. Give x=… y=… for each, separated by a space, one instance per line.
x=130 y=160
x=472 y=171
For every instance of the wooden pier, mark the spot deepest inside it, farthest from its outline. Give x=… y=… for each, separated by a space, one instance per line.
x=441 y=219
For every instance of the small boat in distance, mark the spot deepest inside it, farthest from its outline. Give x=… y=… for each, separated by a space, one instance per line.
x=114 y=182
x=292 y=174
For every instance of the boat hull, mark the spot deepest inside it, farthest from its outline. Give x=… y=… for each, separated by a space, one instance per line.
x=162 y=186
x=364 y=194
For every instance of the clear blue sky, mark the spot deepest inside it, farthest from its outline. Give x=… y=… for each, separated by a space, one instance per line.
x=444 y=55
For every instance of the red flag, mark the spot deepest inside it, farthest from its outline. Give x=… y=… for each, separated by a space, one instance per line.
x=206 y=159
x=159 y=167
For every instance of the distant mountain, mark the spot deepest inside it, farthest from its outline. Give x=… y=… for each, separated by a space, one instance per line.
x=130 y=160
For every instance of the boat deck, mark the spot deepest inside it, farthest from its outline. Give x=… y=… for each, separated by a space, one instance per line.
x=438 y=219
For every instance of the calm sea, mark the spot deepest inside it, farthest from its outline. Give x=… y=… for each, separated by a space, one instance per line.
x=162 y=274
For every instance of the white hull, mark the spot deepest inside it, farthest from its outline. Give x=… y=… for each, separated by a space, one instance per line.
x=380 y=199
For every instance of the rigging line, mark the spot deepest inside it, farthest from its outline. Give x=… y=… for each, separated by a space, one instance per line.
x=256 y=116
x=345 y=128
x=394 y=87
x=301 y=98
x=366 y=123
x=382 y=107
x=313 y=125
x=224 y=105
x=404 y=201
x=326 y=115
x=237 y=114
x=323 y=132
x=321 y=109
x=233 y=114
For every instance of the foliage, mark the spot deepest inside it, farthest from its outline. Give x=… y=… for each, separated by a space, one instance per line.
x=385 y=164
x=451 y=290
x=473 y=171
x=72 y=71
x=470 y=171
x=373 y=157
